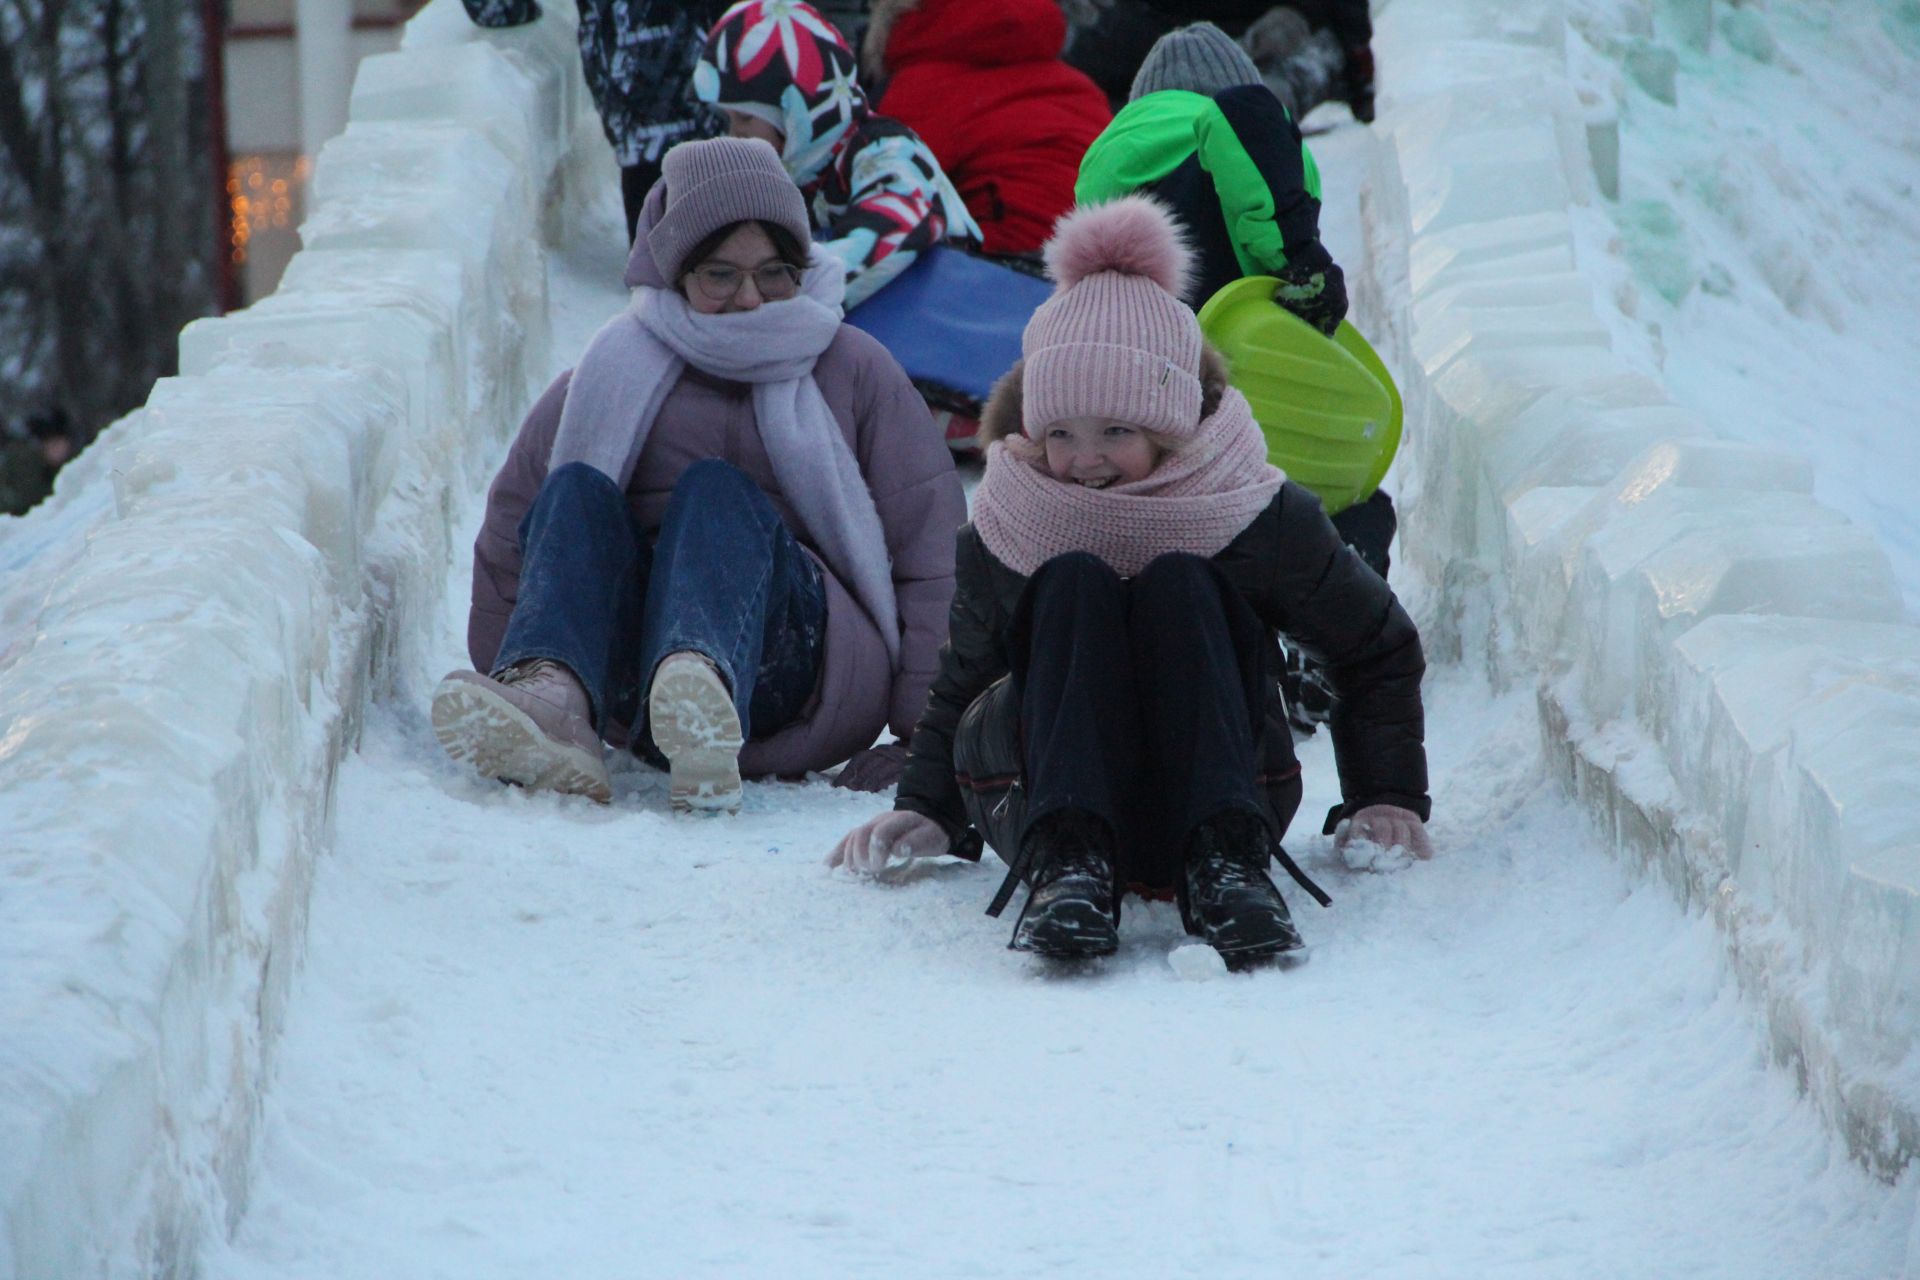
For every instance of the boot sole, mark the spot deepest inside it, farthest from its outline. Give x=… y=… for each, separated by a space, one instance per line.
x=1289 y=958
x=1071 y=931
x=1249 y=949
x=478 y=727
x=693 y=722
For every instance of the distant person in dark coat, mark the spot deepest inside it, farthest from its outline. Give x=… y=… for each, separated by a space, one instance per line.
x=1309 y=51
x=30 y=458
x=638 y=57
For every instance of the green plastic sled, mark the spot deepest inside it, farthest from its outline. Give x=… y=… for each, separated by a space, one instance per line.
x=1327 y=406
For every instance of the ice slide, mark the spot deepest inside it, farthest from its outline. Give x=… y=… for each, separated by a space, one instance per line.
x=286 y=995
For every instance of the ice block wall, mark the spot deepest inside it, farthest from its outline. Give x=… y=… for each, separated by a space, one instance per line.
x=171 y=726
x=1724 y=666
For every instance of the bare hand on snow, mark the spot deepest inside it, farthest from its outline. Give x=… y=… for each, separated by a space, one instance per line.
x=1382 y=837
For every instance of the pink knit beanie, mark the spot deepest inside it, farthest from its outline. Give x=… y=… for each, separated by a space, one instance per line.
x=714 y=183
x=1114 y=340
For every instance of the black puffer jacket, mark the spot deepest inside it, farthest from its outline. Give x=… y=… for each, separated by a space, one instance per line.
x=1292 y=569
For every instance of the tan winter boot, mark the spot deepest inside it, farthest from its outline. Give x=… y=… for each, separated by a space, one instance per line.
x=532 y=725
x=693 y=722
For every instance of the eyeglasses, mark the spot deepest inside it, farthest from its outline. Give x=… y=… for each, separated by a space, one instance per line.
x=719 y=282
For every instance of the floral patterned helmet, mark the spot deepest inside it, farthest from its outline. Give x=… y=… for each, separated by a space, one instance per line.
x=782 y=61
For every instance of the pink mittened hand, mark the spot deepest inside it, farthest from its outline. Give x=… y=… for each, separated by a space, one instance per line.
x=1387 y=825
x=898 y=836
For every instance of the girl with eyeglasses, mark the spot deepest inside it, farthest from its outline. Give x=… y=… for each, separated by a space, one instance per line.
x=725 y=539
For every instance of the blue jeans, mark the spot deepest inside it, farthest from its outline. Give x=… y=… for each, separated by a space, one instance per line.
x=723 y=577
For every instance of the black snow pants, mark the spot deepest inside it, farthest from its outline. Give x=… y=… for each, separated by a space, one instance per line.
x=1141 y=701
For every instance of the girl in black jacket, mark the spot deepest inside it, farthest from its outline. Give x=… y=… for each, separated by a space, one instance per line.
x=1106 y=716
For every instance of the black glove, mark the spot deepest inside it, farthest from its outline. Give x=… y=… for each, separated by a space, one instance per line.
x=874 y=769
x=1317 y=294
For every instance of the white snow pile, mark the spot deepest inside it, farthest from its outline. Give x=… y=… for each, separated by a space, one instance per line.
x=1726 y=667
x=213 y=598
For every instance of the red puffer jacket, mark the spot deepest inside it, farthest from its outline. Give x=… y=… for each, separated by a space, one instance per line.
x=982 y=83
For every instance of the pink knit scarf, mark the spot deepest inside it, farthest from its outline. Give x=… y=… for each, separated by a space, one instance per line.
x=1197 y=500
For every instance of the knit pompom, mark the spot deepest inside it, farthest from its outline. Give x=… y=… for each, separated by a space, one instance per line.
x=1134 y=235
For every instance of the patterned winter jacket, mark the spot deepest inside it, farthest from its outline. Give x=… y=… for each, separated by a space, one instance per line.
x=877 y=195
x=638 y=57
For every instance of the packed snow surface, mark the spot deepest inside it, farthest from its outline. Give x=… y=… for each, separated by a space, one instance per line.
x=536 y=1037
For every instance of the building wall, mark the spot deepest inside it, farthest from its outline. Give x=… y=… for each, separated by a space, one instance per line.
x=267 y=176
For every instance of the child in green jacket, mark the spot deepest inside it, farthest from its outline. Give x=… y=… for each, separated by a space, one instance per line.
x=1204 y=135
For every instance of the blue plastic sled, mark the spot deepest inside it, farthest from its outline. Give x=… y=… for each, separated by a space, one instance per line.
x=953 y=320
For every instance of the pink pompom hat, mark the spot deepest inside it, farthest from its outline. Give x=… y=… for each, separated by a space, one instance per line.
x=1114 y=340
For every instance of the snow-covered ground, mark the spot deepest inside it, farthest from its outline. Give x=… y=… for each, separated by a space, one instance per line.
x=1764 y=256
x=536 y=1037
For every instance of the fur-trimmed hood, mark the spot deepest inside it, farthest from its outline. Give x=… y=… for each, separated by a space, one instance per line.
x=1004 y=414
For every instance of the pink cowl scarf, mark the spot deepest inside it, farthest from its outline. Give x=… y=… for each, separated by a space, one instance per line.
x=1197 y=500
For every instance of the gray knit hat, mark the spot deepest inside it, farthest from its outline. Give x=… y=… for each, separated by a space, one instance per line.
x=714 y=183
x=1200 y=59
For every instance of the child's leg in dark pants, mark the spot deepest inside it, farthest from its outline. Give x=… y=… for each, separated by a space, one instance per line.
x=1072 y=669
x=1142 y=706
x=1200 y=655
x=1198 y=650
x=1073 y=666
x=635 y=181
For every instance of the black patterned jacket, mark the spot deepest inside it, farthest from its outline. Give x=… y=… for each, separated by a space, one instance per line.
x=638 y=57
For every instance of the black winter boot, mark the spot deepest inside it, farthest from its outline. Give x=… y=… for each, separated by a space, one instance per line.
x=1073 y=912
x=1226 y=897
